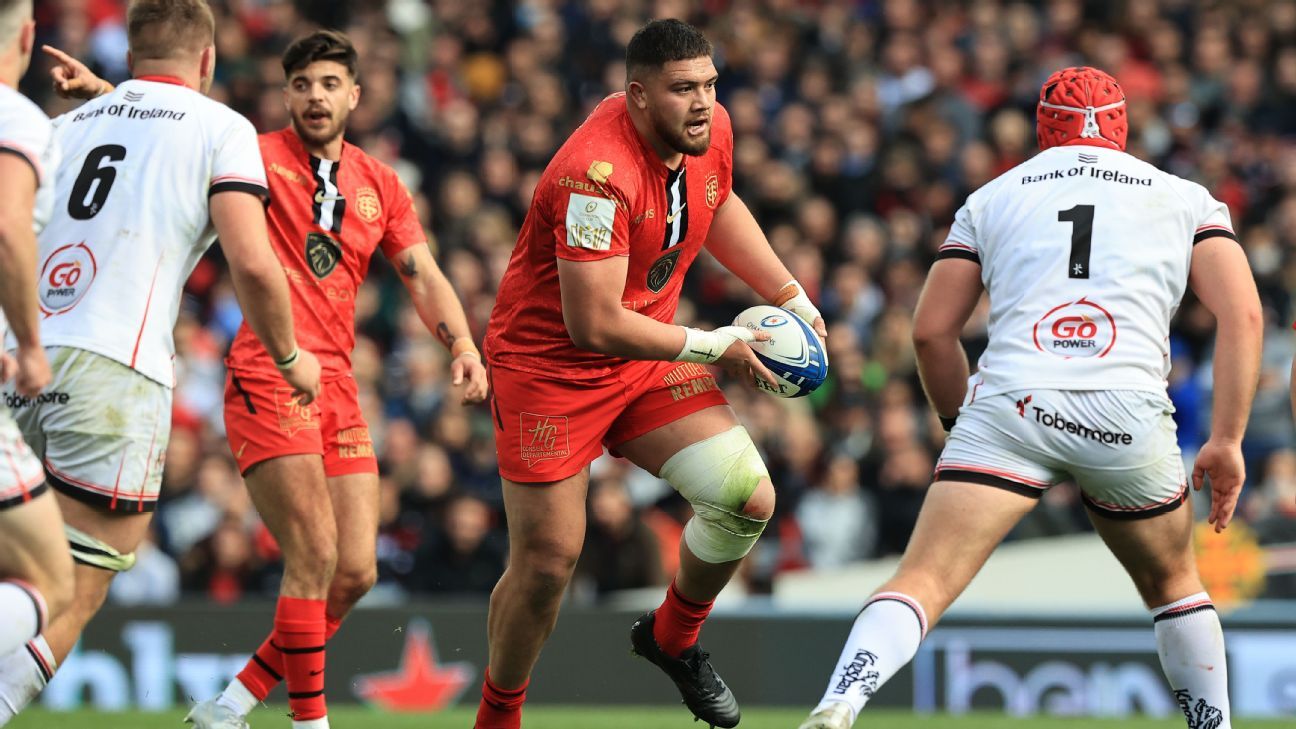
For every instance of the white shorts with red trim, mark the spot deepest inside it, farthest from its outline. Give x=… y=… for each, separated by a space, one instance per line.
x=21 y=475
x=1119 y=446
x=100 y=429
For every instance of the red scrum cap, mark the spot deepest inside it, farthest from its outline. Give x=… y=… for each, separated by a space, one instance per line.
x=1081 y=105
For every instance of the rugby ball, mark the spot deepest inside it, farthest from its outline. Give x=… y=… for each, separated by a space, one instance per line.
x=793 y=353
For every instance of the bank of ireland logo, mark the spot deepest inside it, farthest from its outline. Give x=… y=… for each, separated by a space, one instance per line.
x=1078 y=328
x=65 y=278
x=543 y=437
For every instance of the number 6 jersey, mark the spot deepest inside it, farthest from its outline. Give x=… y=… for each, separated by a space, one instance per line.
x=130 y=217
x=1085 y=253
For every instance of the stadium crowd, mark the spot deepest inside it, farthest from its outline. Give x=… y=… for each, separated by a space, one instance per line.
x=860 y=127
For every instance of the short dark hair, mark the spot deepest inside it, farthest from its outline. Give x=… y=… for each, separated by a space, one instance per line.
x=165 y=29
x=662 y=41
x=322 y=45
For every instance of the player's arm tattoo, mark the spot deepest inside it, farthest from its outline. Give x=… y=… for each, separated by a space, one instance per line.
x=443 y=334
x=407 y=267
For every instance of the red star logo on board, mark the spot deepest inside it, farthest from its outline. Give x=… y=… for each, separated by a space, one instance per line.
x=420 y=684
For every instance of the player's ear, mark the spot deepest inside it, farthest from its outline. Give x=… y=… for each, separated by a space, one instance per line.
x=130 y=62
x=637 y=94
x=27 y=39
x=207 y=63
x=354 y=99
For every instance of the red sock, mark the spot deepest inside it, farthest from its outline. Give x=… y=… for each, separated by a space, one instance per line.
x=678 y=621
x=500 y=708
x=299 y=636
x=265 y=669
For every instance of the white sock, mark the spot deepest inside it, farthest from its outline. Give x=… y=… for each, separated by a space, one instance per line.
x=885 y=637
x=22 y=678
x=22 y=614
x=320 y=723
x=1191 y=646
x=237 y=698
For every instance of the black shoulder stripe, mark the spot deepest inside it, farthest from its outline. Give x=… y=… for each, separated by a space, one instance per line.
x=959 y=253
x=238 y=186
x=1214 y=233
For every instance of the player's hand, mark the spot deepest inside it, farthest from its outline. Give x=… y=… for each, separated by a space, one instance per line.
x=740 y=361
x=72 y=79
x=1223 y=463
x=468 y=369
x=33 y=371
x=304 y=376
x=793 y=298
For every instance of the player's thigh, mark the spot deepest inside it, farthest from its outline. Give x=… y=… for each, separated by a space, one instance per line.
x=673 y=406
x=32 y=545
x=546 y=522
x=1156 y=551
x=105 y=433
x=549 y=429
x=291 y=495
x=960 y=524
x=355 y=510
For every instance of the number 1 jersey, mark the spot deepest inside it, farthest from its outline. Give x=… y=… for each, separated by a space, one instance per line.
x=1085 y=253
x=130 y=217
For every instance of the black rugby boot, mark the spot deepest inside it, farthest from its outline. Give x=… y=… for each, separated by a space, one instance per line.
x=704 y=693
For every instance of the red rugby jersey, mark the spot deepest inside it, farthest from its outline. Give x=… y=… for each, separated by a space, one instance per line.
x=325 y=220
x=606 y=193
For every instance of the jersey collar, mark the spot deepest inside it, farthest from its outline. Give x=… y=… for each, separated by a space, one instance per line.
x=161 y=79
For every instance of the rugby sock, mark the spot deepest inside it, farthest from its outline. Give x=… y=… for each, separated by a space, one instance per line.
x=1191 y=646
x=23 y=674
x=22 y=614
x=678 y=621
x=299 y=636
x=500 y=708
x=263 y=672
x=884 y=638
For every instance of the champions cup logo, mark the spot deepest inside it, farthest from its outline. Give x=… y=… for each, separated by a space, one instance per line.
x=543 y=437
x=712 y=191
x=1076 y=329
x=65 y=278
x=368 y=204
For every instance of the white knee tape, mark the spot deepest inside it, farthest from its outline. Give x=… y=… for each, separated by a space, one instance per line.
x=718 y=475
x=92 y=552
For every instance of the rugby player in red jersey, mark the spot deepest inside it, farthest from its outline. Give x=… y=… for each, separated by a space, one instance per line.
x=583 y=354
x=311 y=470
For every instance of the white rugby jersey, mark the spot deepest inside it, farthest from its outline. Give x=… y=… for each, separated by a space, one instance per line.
x=27 y=132
x=1085 y=254
x=131 y=219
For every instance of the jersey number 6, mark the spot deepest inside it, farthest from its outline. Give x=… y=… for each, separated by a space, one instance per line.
x=83 y=204
x=1081 y=219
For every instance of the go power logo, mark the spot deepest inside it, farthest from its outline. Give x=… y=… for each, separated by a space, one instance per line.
x=1078 y=328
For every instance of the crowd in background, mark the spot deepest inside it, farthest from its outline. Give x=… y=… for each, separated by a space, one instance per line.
x=860 y=127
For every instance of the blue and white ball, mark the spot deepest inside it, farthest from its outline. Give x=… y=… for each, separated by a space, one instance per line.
x=793 y=353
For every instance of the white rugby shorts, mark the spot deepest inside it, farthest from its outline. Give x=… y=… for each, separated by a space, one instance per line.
x=100 y=429
x=21 y=476
x=1119 y=446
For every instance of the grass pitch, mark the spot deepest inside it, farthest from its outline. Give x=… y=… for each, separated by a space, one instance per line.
x=591 y=718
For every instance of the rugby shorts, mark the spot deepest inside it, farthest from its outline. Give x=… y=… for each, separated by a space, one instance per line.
x=550 y=428
x=21 y=476
x=100 y=429
x=1119 y=446
x=264 y=421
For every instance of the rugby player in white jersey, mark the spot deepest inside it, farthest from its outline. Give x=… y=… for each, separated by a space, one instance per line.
x=1085 y=252
x=35 y=567
x=150 y=174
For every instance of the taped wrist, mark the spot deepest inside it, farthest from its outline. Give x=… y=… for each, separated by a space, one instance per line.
x=793 y=298
x=704 y=347
x=717 y=476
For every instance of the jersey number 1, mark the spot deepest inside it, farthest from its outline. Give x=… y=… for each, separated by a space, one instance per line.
x=83 y=204
x=1081 y=219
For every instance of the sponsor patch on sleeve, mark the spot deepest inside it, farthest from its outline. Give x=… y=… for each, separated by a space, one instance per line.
x=589 y=222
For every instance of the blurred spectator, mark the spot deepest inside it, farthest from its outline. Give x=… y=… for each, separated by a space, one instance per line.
x=838 y=520
x=621 y=552
x=462 y=557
